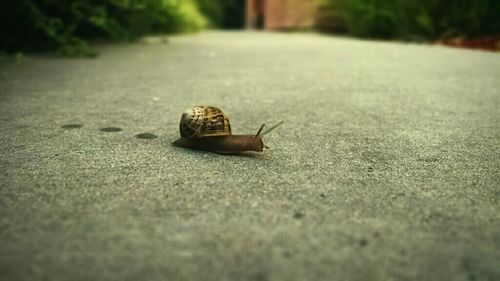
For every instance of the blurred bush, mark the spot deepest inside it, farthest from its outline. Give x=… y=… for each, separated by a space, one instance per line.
x=66 y=25
x=417 y=20
x=228 y=14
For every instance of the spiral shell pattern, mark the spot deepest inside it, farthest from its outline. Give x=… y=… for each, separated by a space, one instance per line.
x=204 y=121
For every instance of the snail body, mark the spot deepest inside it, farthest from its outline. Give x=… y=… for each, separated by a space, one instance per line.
x=208 y=128
x=224 y=144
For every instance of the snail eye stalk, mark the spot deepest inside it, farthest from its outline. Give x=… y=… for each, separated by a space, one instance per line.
x=260 y=130
x=270 y=129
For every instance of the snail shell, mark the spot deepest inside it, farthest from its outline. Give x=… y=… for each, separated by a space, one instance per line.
x=204 y=121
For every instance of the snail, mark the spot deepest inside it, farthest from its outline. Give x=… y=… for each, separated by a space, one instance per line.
x=208 y=128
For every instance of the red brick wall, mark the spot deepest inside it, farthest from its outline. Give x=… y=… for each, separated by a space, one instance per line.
x=254 y=10
x=281 y=14
x=275 y=14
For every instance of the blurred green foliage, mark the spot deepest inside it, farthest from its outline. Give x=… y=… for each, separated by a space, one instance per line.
x=228 y=14
x=66 y=25
x=422 y=19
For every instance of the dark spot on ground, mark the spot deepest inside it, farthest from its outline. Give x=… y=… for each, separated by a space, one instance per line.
x=322 y=195
x=287 y=254
x=110 y=129
x=363 y=242
x=71 y=126
x=370 y=169
x=260 y=276
x=298 y=215
x=146 y=136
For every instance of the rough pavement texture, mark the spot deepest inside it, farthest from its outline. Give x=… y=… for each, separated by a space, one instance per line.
x=387 y=166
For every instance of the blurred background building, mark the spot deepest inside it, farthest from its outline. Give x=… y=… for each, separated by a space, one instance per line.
x=280 y=14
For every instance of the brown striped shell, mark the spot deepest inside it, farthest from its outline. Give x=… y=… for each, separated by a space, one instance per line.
x=204 y=121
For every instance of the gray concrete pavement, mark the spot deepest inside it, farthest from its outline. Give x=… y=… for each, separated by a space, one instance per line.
x=387 y=166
